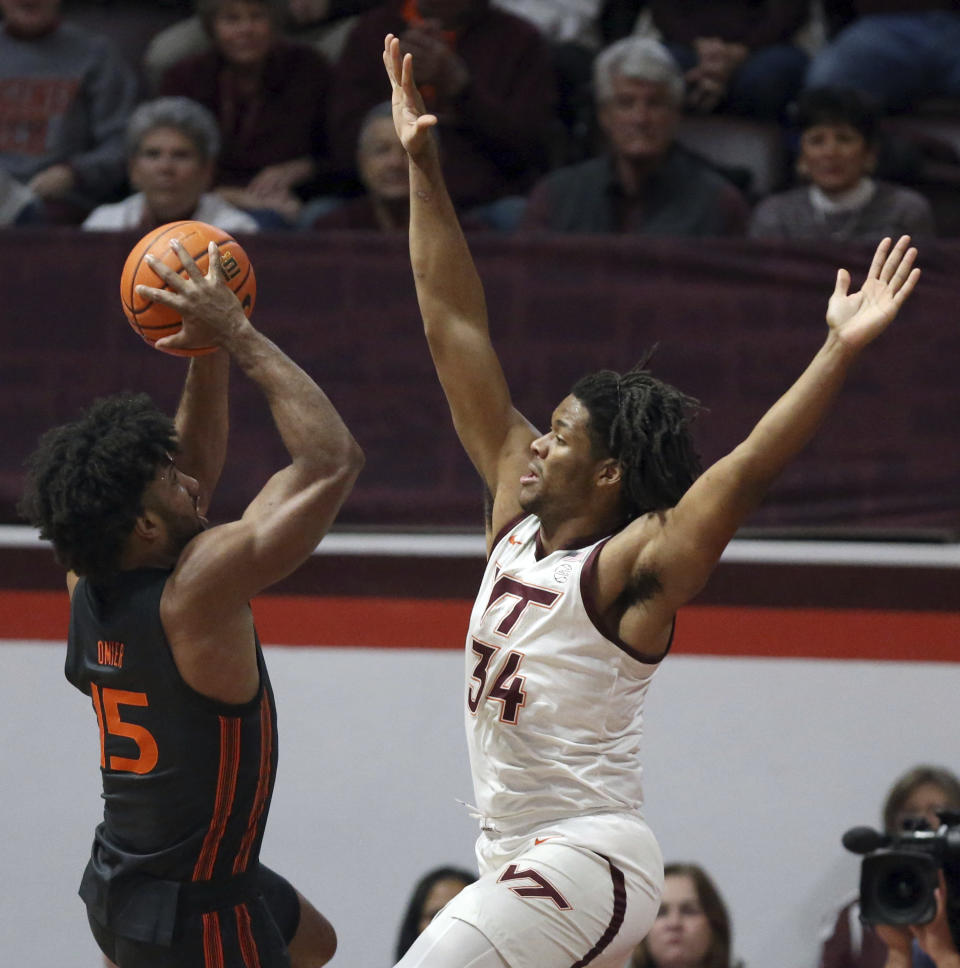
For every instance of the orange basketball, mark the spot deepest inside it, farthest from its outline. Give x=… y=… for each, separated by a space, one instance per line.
x=152 y=320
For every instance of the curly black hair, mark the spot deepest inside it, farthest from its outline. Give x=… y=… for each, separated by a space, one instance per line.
x=644 y=424
x=85 y=480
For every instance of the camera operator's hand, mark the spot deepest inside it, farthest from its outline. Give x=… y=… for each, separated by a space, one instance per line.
x=935 y=937
x=898 y=940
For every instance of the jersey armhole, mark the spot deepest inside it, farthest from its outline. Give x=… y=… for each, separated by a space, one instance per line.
x=593 y=612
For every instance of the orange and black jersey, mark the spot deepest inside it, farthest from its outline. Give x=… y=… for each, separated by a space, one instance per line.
x=187 y=780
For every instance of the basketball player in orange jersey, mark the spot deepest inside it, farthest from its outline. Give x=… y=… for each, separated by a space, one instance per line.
x=162 y=640
x=600 y=530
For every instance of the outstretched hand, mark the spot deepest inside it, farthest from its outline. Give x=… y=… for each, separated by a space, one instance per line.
x=409 y=114
x=210 y=311
x=859 y=317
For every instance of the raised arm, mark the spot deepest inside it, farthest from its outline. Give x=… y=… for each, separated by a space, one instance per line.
x=680 y=547
x=202 y=422
x=495 y=436
x=229 y=564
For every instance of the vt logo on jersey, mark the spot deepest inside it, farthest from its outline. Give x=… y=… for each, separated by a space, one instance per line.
x=504 y=587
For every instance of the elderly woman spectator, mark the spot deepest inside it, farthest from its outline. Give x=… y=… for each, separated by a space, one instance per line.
x=269 y=97
x=841 y=200
x=382 y=166
x=172 y=146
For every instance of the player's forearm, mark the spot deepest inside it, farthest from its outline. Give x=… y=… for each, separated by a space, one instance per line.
x=449 y=290
x=202 y=421
x=312 y=431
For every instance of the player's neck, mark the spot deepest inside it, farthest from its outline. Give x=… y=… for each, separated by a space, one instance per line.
x=577 y=532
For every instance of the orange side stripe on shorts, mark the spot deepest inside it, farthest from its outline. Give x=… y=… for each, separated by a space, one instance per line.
x=248 y=945
x=212 y=942
x=223 y=803
x=263 y=787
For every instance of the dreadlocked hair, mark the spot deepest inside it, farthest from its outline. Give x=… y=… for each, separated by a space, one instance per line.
x=85 y=481
x=644 y=424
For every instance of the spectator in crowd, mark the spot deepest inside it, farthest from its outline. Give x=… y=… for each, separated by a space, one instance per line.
x=692 y=929
x=269 y=97
x=430 y=894
x=382 y=168
x=838 y=153
x=738 y=55
x=898 y=51
x=486 y=74
x=645 y=183
x=65 y=96
x=384 y=205
x=323 y=24
x=172 y=146
x=916 y=795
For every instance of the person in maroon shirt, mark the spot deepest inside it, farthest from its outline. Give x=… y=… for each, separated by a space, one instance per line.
x=269 y=97
x=486 y=74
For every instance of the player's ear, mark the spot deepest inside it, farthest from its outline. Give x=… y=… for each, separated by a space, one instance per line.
x=609 y=472
x=148 y=526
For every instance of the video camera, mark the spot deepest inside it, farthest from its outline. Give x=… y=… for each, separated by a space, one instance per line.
x=899 y=873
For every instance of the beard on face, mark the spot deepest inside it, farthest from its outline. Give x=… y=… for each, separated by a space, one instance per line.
x=181 y=529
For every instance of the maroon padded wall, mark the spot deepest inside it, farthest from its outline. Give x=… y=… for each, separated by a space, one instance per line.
x=735 y=322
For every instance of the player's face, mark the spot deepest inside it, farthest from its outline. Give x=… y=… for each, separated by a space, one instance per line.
x=30 y=16
x=243 y=31
x=171 y=173
x=382 y=161
x=681 y=934
x=173 y=496
x=835 y=156
x=639 y=119
x=562 y=470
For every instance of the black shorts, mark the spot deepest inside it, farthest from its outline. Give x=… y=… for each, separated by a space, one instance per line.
x=256 y=932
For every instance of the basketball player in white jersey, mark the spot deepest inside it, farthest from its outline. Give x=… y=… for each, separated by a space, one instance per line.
x=600 y=530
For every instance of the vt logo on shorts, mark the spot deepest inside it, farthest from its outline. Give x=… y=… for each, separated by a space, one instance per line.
x=544 y=887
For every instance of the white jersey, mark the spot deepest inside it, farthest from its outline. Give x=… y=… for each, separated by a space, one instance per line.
x=554 y=705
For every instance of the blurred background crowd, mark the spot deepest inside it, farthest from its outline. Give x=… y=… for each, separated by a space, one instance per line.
x=791 y=119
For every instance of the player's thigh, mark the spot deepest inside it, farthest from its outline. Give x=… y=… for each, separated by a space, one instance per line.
x=557 y=905
x=451 y=943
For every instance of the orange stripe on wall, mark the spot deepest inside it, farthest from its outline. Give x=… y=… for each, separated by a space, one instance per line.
x=441 y=624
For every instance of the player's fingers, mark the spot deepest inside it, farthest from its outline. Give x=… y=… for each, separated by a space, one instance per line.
x=170 y=276
x=878 y=259
x=894 y=258
x=907 y=288
x=186 y=260
x=843 y=283
x=903 y=268
x=164 y=296
x=215 y=270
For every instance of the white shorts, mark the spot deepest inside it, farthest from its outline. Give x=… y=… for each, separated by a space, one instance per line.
x=583 y=891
